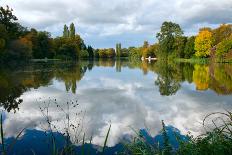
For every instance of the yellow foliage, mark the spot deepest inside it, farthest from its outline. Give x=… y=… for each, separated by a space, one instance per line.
x=203 y=43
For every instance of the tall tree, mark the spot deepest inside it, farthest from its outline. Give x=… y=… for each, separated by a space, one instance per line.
x=66 y=31
x=72 y=30
x=118 y=49
x=169 y=31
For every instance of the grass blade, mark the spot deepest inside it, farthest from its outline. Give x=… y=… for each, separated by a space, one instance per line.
x=104 y=147
x=90 y=145
x=2 y=137
x=83 y=146
x=15 y=140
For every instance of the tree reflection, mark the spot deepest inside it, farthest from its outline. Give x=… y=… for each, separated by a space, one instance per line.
x=14 y=82
x=201 y=76
x=70 y=75
x=221 y=78
x=168 y=85
x=10 y=91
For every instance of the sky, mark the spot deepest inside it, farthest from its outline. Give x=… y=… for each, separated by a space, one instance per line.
x=103 y=23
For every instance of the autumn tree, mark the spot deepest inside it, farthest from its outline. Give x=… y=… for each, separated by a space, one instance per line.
x=222 y=32
x=203 y=43
x=224 y=47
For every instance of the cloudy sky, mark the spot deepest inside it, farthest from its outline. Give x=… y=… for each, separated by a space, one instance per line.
x=102 y=23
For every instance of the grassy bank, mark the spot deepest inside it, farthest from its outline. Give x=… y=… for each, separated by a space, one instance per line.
x=194 y=60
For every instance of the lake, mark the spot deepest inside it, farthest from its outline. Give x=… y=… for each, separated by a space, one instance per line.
x=88 y=96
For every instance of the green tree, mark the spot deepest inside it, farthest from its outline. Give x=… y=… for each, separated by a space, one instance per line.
x=90 y=52
x=72 y=31
x=65 y=31
x=3 y=37
x=44 y=46
x=110 y=53
x=189 y=47
x=169 y=31
x=118 y=50
x=134 y=53
x=7 y=18
x=145 y=49
x=179 y=46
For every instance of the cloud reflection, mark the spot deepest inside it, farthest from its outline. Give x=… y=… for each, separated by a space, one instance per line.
x=123 y=101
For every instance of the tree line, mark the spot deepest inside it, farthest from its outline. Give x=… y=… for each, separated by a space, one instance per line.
x=208 y=43
x=17 y=43
x=172 y=44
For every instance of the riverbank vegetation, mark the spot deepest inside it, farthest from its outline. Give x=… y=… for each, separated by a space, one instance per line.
x=216 y=140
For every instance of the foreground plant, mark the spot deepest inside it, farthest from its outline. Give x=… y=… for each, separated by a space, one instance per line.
x=215 y=141
x=5 y=149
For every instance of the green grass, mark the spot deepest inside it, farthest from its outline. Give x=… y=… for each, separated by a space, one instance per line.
x=194 y=60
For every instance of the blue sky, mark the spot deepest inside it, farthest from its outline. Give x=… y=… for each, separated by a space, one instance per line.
x=103 y=23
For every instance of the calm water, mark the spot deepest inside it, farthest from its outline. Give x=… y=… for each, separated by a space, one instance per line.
x=89 y=96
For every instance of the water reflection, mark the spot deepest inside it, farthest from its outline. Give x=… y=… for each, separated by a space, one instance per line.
x=216 y=77
x=122 y=93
